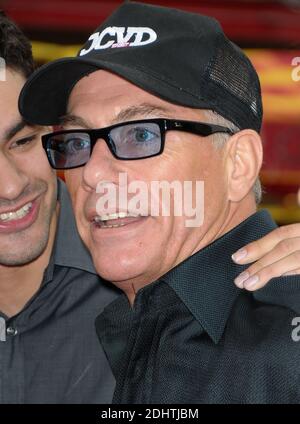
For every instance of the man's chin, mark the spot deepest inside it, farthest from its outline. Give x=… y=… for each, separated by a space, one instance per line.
x=22 y=258
x=24 y=247
x=117 y=271
x=117 y=277
x=27 y=254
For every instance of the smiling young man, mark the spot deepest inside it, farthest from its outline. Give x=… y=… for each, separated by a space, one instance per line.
x=49 y=292
x=141 y=103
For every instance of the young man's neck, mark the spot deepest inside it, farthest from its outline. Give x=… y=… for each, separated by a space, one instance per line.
x=18 y=284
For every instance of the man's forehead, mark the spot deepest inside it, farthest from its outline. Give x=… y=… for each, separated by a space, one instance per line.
x=105 y=86
x=120 y=100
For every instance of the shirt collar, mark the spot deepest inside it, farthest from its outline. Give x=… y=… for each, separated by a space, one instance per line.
x=204 y=281
x=68 y=250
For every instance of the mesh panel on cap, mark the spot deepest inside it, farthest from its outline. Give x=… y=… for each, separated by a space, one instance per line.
x=234 y=72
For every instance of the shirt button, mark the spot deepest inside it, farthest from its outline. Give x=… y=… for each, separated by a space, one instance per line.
x=11 y=331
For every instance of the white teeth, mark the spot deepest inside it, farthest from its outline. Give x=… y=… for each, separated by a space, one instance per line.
x=122 y=214
x=104 y=218
x=118 y=215
x=113 y=226
x=13 y=216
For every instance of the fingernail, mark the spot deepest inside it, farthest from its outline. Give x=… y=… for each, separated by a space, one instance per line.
x=251 y=282
x=239 y=255
x=239 y=281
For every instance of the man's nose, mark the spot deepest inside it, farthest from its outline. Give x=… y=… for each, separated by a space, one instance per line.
x=12 y=180
x=102 y=166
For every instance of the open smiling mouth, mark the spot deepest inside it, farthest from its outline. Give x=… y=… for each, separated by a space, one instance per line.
x=115 y=220
x=20 y=219
x=16 y=215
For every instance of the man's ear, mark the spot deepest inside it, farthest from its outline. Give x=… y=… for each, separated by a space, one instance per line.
x=244 y=160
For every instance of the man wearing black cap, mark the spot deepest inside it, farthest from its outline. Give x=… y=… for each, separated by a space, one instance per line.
x=170 y=98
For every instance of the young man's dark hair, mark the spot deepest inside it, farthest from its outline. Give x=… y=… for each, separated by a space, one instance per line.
x=15 y=48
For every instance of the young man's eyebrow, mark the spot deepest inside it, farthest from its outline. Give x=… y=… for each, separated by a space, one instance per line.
x=14 y=129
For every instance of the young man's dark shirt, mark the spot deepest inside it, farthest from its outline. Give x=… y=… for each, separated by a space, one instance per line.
x=49 y=352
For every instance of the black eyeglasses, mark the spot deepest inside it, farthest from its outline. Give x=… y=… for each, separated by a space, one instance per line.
x=126 y=141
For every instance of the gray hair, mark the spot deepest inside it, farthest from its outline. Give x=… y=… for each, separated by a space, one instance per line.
x=219 y=140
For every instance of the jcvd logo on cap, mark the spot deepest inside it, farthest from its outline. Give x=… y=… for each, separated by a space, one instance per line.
x=122 y=37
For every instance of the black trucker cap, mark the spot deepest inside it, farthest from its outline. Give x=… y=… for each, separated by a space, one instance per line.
x=181 y=57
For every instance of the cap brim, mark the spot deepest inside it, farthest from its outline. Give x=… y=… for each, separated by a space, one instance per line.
x=44 y=97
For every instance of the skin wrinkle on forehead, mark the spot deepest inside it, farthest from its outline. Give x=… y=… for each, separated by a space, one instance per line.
x=144 y=110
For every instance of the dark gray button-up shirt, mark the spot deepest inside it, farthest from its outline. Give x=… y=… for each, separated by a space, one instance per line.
x=49 y=352
x=193 y=337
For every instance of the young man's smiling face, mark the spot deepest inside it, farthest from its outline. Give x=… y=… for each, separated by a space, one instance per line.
x=28 y=190
x=148 y=246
